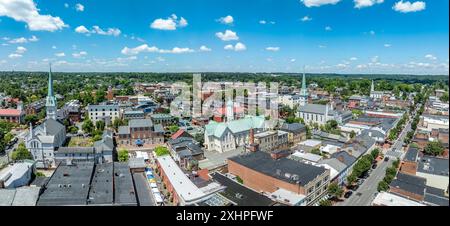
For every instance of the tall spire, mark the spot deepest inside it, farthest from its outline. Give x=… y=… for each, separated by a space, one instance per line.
x=50 y=82
x=303 y=91
x=51 y=99
x=372 y=87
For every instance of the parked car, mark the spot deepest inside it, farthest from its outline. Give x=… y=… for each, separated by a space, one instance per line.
x=359 y=181
x=348 y=194
x=374 y=166
x=354 y=187
x=386 y=159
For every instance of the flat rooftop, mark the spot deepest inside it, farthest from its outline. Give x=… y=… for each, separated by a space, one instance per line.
x=123 y=185
x=285 y=169
x=69 y=185
x=102 y=191
x=389 y=199
x=183 y=186
x=143 y=190
x=240 y=194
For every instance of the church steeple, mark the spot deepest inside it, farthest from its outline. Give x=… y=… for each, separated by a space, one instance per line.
x=51 y=100
x=303 y=92
x=372 y=87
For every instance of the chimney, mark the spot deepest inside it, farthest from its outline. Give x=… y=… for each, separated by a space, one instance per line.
x=341 y=158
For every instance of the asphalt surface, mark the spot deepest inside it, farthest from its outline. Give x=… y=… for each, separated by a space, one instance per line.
x=365 y=194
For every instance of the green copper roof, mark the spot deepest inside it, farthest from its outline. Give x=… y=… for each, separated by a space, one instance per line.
x=50 y=83
x=235 y=126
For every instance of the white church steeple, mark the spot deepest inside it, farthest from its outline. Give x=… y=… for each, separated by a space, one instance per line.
x=50 y=103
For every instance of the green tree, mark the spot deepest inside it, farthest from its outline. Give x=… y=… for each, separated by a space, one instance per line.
x=382 y=186
x=123 y=155
x=351 y=179
x=374 y=153
x=238 y=179
x=72 y=129
x=335 y=190
x=173 y=128
x=352 y=134
x=100 y=125
x=160 y=151
x=88 y=126
x=325 y=202
x=31 y=119
x=21 y=153
x=97 y=137
x=434 y=148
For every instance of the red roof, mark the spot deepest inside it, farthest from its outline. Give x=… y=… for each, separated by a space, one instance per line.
x=10 y=112
x=177 y=134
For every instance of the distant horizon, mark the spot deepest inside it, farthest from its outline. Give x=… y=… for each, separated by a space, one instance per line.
x=227 y=72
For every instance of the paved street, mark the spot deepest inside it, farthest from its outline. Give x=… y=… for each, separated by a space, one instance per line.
x=368 y=190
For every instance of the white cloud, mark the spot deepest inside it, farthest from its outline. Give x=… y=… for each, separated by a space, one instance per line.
x=79 y=7
x=372 y=32
x=33 y=39
x=60 y=54
x=21 y=50
x=353 y=58
x=204 y=49
x=387 y=45
x=171 y=23
x=374 y=59
x=317 y=3
x=81 y=29
x=228 y=35
x=430 y=57
x=18 y=40
x=21 y=40
x=226 y=20
x=328 y=28
x=229 y=47
x=14 y=55
x=366 y=3
x=26 y=11
x=140 y=49
x=322 y=46
x=306 y=18
x=66 y=5
x=407 y=7
x=109 y=31
x=53 y=47
x=293 y=60
x=177 y=50
x=97 y=30
x=79 y=54
x=273 y=49
x=263 y=22
x=153 y=49
x=238 y=47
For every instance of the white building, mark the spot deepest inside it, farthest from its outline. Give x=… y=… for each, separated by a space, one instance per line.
x=375 y=94
x=430 y=122
x=227 y=136
x=105 y=112
x=17 y=175
x=42 y=140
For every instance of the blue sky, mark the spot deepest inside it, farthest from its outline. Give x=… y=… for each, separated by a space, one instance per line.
x=324 y=36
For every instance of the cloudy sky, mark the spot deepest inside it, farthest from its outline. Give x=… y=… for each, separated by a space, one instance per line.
x=336 y=36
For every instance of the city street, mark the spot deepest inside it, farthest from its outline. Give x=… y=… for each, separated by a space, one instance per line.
x=368 y=190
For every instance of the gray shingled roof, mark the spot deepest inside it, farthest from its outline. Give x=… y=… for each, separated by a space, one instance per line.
x=140 y=123
x=410 y=183
x=313 y=108
x=123 y=130
x=433 y=165
x=293 y=127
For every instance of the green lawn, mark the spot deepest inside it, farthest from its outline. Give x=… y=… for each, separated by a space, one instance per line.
x=80 y=142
